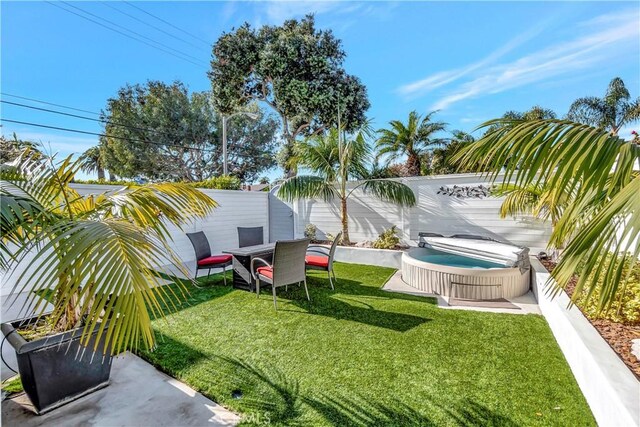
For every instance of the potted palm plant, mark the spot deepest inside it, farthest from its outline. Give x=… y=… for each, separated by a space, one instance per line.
x=91 y=275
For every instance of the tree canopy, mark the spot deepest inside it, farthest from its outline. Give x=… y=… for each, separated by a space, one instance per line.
x=295 y=69
x=610 y=112
x=414 y=139
x=161 y=132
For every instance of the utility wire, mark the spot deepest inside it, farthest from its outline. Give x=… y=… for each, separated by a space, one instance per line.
x=168 y=23
x=48 y=103
x=82 y=117
x=102 y=134
x=125 y=34
x=142 y=21
x=179 y=52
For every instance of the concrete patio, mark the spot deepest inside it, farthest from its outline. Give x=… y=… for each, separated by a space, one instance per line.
x=138 y=395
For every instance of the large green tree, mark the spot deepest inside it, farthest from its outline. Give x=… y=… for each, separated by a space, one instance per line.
x=339 y=168
x=610 y=112
x=295 y=69
x=512 y=117
x=161 y=132
x=412 y=139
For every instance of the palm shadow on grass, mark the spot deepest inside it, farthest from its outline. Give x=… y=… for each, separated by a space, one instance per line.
x=262 y=393
x=349 y=302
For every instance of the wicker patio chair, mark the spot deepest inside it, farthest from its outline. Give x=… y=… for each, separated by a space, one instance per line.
x=321 y=258
x=250 y=236
x=204 y=259
x=288 y=267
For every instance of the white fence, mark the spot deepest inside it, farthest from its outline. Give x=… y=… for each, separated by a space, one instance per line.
x=438 y=213
x=235 y=209
x=368 y=217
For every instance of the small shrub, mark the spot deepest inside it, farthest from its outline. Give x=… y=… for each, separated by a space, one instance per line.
x=330 y=237
x=224 y=182
x=310 y=231
x=626 y=307
x=388 y=239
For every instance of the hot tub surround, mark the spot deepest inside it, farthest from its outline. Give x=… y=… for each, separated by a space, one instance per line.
x=462 y=282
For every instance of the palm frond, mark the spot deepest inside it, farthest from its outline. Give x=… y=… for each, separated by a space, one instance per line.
x=305 y=186
x=108 y=266
x=389 y=191
x=591 y=167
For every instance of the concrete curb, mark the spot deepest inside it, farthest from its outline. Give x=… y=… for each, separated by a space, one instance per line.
x=611 y=389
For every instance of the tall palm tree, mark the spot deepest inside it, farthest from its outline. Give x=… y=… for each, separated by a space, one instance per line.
x=98 y=254
x=604 y=198
x=413 y=139
x=340 y=169
x=611 y=112
x=92 y=162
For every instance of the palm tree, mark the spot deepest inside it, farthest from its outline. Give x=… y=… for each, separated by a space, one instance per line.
x=441 y=160
x=611 y=112
x=559 y=154
x=340 y=169
x=98 y=256
x=92 y=162
x=413 y=139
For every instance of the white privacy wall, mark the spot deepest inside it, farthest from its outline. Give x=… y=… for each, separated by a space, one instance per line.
x=434 y=212
x=236 y=209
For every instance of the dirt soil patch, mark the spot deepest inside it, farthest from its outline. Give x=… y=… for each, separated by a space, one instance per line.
x=617 y=335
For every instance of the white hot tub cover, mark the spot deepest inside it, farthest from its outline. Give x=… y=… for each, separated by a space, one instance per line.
x=479 y=247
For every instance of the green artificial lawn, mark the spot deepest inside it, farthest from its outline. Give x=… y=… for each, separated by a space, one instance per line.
x=362 y=356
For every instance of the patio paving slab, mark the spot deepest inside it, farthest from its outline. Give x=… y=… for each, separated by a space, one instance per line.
x=526 y=304
x=138 y=395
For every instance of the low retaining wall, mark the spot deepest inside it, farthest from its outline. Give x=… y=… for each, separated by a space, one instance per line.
x=611 y=389
x=369 y=256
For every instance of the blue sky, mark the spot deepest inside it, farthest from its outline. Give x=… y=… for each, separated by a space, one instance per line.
x=471 y=61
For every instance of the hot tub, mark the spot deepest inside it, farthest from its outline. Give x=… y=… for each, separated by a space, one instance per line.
x=464 y=275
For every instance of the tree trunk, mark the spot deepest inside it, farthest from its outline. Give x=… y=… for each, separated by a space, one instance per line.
x=413 y=165
x=100 y=173
x=289 y=166
x=345 y=222
x=112 y=177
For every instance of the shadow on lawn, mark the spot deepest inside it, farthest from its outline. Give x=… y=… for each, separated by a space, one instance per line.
x=265 y=393
x=189 y=295
x=349 y=302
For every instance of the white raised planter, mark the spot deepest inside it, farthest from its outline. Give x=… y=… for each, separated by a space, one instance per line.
x=369 y=256
x=611 y=389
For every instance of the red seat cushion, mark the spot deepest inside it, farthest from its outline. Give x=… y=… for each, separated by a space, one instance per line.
x=215 y=259
x=266 y=272
x=317 y=261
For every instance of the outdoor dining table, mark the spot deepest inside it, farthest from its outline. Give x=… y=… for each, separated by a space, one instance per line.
x=242 y=278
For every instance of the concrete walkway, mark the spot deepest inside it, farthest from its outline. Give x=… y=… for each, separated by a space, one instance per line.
x=525 y=304
x=139 y=395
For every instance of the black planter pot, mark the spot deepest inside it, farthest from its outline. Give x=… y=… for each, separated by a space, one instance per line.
x=56 y=369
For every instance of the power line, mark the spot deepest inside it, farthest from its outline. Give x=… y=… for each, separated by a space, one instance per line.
x=168 y=23
x=102 y=134
x=48 y=103
x=81 y=117
x=124 y=34
x=129 y=30
x=142 y=21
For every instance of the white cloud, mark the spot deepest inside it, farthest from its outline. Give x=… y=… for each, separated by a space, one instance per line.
x=275 y=12
x=423 y=86
x=603 y=39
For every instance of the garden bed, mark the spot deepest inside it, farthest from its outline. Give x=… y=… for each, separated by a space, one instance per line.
x=617 y=335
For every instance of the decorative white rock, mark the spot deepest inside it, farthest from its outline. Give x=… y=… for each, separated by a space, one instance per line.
x=635 y=348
